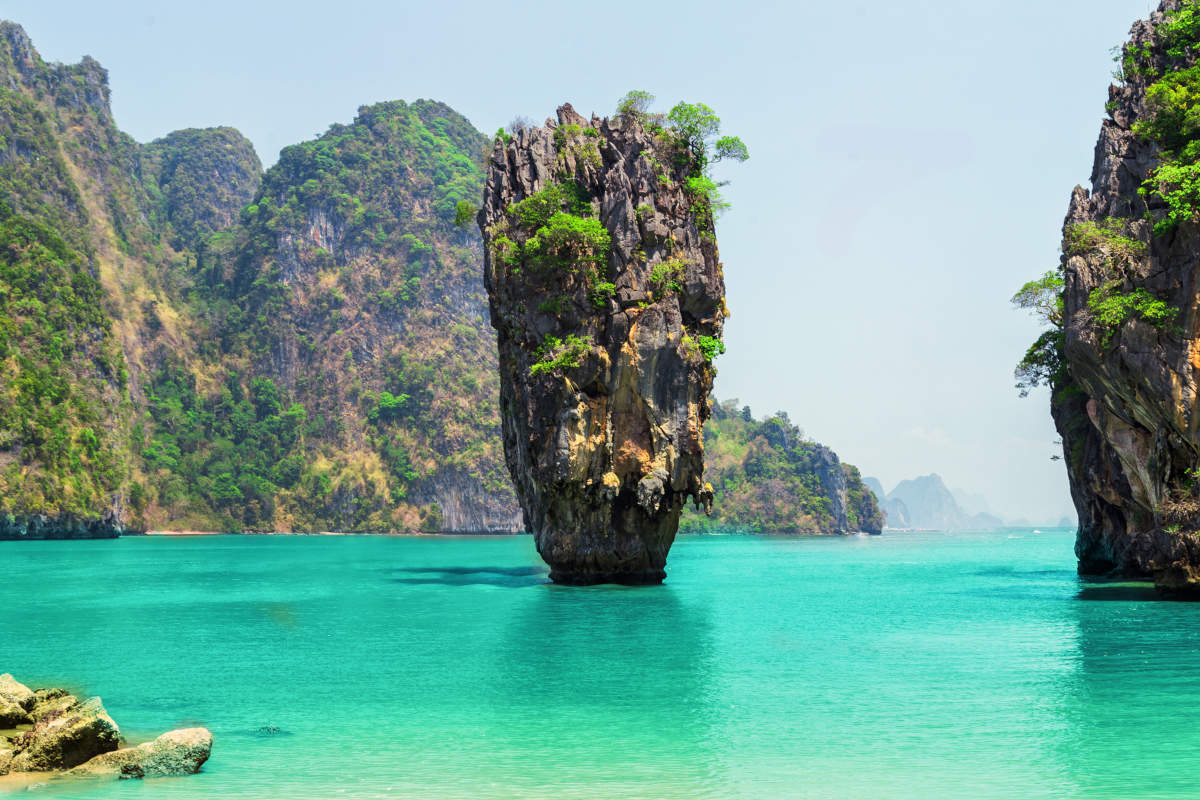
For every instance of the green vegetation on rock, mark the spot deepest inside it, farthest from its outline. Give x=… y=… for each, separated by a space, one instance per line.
x=1172 y=114
x=767 y=477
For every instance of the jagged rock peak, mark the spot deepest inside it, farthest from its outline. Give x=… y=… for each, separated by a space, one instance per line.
x=607 y=295
x=21 y=68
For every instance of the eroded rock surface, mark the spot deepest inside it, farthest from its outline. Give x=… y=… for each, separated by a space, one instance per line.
x=607 y=295
x=65 y=734
x=52 y=731
x=1125 y=402
x=180 y=752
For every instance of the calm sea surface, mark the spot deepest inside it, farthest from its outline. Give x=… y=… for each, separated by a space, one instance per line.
x=922 y=665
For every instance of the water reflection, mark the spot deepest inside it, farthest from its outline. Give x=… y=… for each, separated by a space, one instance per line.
x=1135 y=692
x=605 y=688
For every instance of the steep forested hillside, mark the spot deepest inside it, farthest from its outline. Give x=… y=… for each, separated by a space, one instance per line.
x=767 y=477
x=190 y=343
x=356 y=382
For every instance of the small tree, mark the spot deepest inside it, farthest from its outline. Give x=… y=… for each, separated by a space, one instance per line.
x=635 y=105
x=1043 y=363
x=1043 y=297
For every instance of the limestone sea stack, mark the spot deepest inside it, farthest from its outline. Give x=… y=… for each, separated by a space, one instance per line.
x=1125 y=374
x=607 y=295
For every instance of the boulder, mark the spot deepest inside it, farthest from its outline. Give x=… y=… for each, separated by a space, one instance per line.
x=12 y=715
x=15 y=692
x=15 y=701
x=50 y=701
x=179 y=752
x=65 y=734
x=6 y=758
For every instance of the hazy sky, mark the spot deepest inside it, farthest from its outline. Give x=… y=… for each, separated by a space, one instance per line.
x=911 y=164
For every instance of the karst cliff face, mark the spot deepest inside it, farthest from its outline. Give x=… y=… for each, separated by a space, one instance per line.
x=1125 y=392
x=607 y=296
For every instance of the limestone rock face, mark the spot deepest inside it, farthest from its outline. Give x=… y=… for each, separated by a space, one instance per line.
x=65 y=735
x=607 y=295
x=177 y=753
x=1126 y=403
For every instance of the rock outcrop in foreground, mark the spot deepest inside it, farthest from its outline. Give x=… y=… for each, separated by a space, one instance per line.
x=607 y=296
x=1125 y=376
x=51 y=730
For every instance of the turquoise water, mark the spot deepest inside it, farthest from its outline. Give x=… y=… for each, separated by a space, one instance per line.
x=907 y=665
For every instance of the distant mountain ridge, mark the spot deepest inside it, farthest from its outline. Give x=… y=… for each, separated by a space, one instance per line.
x=926 y=503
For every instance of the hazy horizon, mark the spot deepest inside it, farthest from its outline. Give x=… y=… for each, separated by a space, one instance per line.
x=910 y=168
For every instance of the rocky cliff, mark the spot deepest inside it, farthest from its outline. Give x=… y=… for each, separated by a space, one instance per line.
x=190 y=343
x=607 y=295
x=767 y=477
x=1124 y=356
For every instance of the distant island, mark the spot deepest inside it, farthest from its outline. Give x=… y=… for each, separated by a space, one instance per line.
x=767 y=477
x=926 y=503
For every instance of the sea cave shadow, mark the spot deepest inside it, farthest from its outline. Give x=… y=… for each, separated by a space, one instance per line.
x=508 y=577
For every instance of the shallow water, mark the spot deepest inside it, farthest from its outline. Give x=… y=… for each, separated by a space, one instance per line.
x=907 y=665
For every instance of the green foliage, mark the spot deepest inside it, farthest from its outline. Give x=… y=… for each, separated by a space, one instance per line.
x=555 y=354
x=1043 y=364
x=1111 y=309
x=695 y=124
x=59 y=379
x=706 y=194
x=537 y=209
x=730 y=148
x=557 y=228
x=464 y=213
x=227 y=454
x=635 y=105
x=1172 y=117
x=1107 y=235
x=1043 y=297
x=767 y=477
x=198 y=177
x=710 y=347
x=667 y=276
x=567 y=240
x=602 y=293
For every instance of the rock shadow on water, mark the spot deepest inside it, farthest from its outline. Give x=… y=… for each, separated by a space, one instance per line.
x=506 y=577
x=1098 y=589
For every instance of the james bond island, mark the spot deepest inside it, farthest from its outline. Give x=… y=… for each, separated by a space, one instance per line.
x=608 y=298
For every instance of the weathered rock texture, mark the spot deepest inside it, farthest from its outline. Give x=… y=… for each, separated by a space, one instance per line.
x=603 y=437
x=180 y=752
x=1125 y=404
x=51 y=730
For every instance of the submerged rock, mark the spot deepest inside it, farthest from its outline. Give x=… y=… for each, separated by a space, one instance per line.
x=180 y=752
x=607 y=295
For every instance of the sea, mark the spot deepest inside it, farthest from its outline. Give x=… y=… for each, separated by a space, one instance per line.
x=908 y=665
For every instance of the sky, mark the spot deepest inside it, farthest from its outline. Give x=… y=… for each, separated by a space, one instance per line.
x=911 y=164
